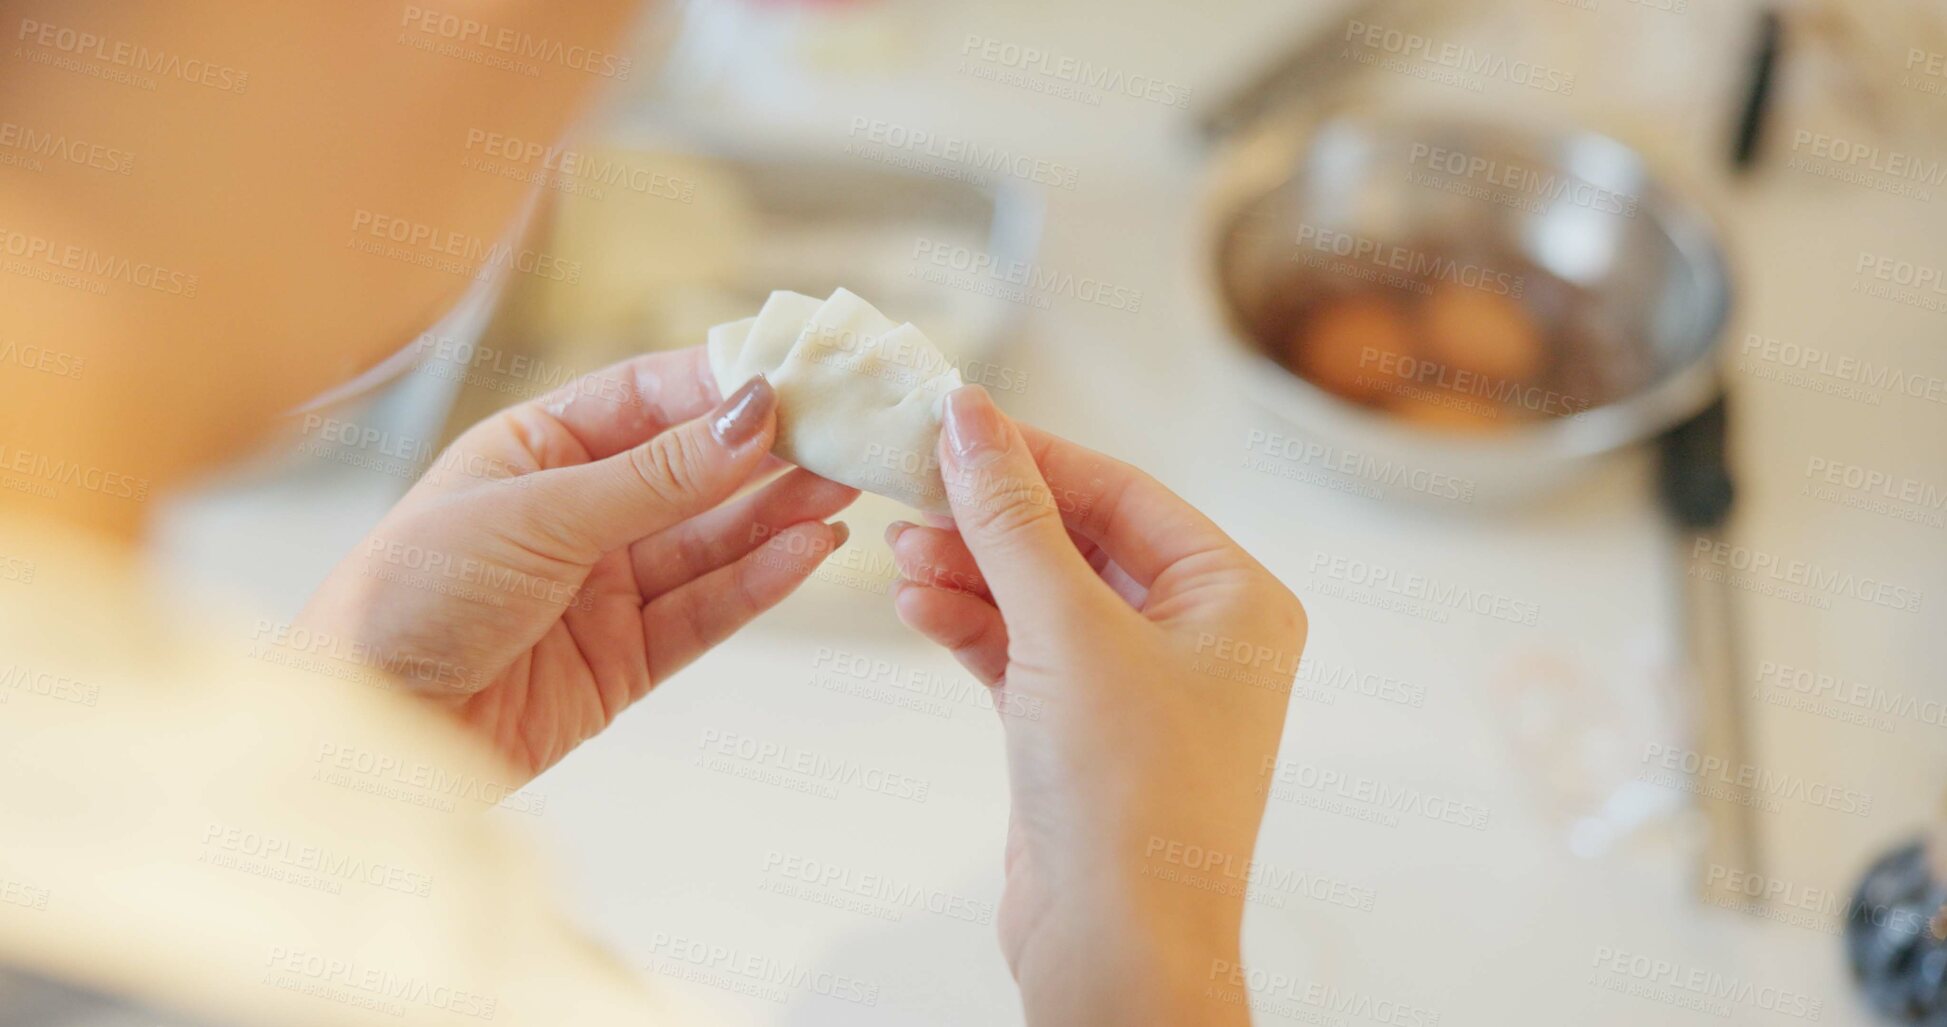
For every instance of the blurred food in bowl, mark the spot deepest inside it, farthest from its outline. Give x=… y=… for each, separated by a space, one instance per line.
x=1438 y=353
x=1483 y=301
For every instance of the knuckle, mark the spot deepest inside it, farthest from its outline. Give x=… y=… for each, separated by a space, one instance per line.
x=1264 y=601
x=1284 y=610
x=1014 y=521
x=671 y=466
x=963 y=635
x=1297 y=620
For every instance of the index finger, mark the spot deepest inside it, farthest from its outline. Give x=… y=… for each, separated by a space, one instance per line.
x=1143 y=526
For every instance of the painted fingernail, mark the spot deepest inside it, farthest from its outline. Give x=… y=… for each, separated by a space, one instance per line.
x=896 y=529
x=742 y=414
x=973 y=426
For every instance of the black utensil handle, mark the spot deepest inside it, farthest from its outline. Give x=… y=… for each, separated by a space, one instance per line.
x=1694 y=473
x=1757 y=94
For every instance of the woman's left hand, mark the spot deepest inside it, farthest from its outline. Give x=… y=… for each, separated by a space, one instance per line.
x=569 y=553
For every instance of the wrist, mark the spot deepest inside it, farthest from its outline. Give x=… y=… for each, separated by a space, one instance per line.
x=1140 y=951
x=1162 y=981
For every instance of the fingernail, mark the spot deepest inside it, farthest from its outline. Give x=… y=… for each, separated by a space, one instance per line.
x=896 y=529
x=741 y=415
x=841 y=531
x=973 y=426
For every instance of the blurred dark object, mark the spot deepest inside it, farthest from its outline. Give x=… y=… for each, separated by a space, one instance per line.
x=1757 y=99
x=1694 y=476
x=1895 y=937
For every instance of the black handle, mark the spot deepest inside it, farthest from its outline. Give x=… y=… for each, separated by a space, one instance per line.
x=1694 y=478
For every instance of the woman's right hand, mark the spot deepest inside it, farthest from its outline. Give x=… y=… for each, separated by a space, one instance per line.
x=1142 y=663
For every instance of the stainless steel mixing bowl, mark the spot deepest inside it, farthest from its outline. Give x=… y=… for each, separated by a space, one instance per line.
x=1367 y=197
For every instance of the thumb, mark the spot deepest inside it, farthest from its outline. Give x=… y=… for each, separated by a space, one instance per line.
x=606 y=504
x=1006 y=513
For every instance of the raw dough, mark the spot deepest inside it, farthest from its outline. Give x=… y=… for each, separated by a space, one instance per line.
x=859 y=395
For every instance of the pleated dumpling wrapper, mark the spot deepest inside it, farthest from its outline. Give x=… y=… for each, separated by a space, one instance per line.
x=859 y=395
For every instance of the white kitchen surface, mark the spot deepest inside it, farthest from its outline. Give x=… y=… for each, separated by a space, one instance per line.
x=662 y=847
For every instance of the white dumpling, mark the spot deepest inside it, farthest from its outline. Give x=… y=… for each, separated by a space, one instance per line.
x=859 y=395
